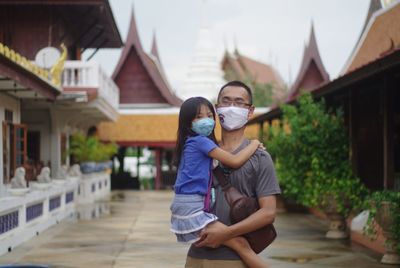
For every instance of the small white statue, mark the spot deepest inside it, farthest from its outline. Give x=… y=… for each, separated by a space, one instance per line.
x=74 y=171
x=62 y=172
x=18 y=181
x=44 y=176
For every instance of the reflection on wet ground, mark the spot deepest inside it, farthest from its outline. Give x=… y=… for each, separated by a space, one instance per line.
x=92 y=211
x=118 y=196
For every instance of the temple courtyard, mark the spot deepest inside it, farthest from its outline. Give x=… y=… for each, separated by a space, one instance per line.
x=132 y=230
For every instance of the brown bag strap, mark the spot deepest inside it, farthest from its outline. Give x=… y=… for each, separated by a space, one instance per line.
x=222 y=177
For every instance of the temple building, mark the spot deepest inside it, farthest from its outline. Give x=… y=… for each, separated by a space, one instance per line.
x=148 y=107
x=239 y=67
x=44 y=99
x=29 y=26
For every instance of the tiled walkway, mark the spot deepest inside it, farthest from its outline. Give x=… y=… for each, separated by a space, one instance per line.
x=135 y=233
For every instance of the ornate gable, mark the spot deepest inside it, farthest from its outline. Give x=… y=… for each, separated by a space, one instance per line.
x=312 y=71
x=139 y=76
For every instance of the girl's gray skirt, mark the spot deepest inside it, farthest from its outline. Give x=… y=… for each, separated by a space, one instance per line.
x=188 y=217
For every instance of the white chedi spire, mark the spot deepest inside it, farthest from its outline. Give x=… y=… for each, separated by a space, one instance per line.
x=204 y=77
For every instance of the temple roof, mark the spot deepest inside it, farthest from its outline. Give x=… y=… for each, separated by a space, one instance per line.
x=157 y=83
x=380 y=37
x=374 y=6
x=260 y=73
x=91 y=22
x=312 y=71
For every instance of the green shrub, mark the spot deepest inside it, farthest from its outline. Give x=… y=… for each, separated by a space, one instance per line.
x=311 y=152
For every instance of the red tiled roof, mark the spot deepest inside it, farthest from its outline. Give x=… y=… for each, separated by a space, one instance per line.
x=379 y=37
x=261 y=73
x=228 y=59
x=152 y=66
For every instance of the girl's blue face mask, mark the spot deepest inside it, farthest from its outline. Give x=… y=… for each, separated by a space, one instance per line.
x=203 y=126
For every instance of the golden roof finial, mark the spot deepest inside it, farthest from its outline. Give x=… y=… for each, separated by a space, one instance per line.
x=58 y=67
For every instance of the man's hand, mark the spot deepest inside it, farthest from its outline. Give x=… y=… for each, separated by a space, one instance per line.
x=213 y=235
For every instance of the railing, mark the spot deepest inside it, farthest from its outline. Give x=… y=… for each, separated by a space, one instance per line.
x=82 y=74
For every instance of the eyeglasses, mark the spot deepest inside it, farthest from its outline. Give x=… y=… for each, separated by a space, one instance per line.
x=236 y=103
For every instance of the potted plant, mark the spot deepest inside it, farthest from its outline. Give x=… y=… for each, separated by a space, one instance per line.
x=103 y=154
x=338 y=198
x=91 y=153
x=336 y=192
x=384 y=210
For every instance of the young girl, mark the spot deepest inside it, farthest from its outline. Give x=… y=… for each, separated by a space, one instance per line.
x=195 y=149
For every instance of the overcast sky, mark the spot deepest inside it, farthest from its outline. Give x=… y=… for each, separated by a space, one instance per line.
x=273 y=32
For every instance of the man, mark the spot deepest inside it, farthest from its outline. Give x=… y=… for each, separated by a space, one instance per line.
x=255 y=178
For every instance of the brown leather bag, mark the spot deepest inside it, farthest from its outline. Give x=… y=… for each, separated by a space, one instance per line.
x=242 y=207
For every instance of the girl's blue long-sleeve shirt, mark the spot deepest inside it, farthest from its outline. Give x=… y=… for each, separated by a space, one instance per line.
x=194 y=168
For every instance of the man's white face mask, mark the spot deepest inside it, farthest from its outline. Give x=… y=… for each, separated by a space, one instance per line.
x=232 y=117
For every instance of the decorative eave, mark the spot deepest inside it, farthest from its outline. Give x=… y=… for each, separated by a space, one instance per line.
x=91 y=21
x=152 y=66
x=379 y=37
x=311 y=54
x=24 y=75
x=374 y=5
x=154 y=48
x=230 y=60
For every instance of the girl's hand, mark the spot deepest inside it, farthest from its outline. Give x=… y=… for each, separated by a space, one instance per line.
x=262 y=147
x=260 y=144
x=257 y=142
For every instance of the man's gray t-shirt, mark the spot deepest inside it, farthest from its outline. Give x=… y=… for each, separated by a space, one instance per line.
x=256 y=178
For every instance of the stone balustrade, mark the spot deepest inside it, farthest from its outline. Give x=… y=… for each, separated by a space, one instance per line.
x=22 y=217
x=88 y=75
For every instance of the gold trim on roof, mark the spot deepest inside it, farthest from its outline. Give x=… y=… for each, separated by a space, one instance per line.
x=51 y=78
x=58 y=67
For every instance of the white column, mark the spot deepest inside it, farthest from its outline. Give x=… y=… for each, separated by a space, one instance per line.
x=68 y=134
x=55 y=142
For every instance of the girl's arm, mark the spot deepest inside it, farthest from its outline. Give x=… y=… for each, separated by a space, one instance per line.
x=235 y=160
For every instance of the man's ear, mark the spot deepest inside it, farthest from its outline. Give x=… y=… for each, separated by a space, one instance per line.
x=251 y=112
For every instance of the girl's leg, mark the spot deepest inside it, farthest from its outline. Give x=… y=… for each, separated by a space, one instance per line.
x=242 y=247
x=249 y=257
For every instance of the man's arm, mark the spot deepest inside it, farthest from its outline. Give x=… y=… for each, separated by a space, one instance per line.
x=214 y=235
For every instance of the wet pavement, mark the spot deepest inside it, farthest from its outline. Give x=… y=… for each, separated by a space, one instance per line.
x=132 y=230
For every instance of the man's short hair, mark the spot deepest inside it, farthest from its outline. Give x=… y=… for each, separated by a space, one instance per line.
x=236 y=83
